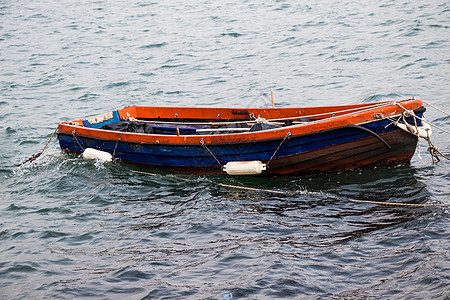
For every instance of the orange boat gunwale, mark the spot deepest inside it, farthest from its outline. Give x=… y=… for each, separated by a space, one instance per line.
x=363 y=113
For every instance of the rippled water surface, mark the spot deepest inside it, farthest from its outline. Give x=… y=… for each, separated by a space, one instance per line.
x=71 y=228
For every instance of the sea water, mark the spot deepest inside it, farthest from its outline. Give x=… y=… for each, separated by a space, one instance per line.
x=72 y=228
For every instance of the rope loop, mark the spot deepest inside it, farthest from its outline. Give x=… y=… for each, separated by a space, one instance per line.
x=409 y=113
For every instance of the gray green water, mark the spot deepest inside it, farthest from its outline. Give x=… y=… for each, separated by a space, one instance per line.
x=82 y=229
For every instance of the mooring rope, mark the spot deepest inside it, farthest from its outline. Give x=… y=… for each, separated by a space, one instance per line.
x=423 y=120
x=293 y=193
x=35 y=156
x=427 y=103
x=434 y=150
x=284 y=192
x=399 y=203
x=431 y=124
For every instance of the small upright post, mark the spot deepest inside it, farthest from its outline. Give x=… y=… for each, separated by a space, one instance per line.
x=273 y=103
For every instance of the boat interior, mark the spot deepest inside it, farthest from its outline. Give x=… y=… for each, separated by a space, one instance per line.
x=210 y=121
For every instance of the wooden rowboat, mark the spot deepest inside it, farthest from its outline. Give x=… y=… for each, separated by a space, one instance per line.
x=272 y=141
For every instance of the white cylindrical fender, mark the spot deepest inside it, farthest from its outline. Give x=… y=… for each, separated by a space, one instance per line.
x=407 y=128
x=254 y=167
x=423 y=131
x=91 y=153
